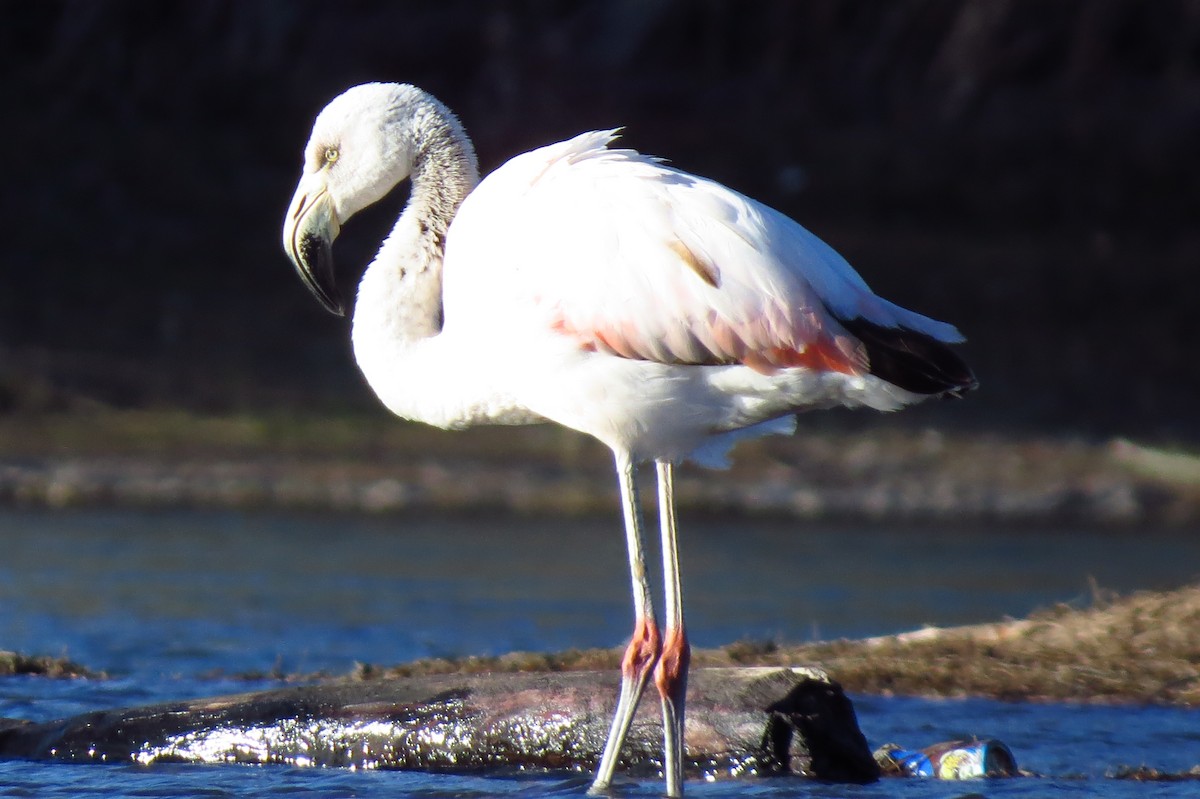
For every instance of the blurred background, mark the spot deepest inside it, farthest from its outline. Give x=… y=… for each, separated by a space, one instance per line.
x=1026 y=170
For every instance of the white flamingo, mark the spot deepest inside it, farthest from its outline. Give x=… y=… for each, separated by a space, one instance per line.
x=661 y=312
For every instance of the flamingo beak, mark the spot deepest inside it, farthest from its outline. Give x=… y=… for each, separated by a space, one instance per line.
x=309 y=229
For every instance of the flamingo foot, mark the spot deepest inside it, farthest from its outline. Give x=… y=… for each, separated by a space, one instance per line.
x=640 y=658
x=670 y=677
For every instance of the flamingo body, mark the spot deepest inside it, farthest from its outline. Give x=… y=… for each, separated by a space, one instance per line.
x=660 y=312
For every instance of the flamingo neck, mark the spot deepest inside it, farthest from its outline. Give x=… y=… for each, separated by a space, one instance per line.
x=398 y=314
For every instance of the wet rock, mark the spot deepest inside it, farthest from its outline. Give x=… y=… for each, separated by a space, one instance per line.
x=741 y=722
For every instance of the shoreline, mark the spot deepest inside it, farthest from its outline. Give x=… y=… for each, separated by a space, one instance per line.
x=144 y=460
x=1143 y=648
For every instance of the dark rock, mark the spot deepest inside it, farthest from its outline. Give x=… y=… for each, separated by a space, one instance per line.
x=741 y=722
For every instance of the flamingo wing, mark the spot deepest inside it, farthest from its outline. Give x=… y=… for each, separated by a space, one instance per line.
x=622 y=254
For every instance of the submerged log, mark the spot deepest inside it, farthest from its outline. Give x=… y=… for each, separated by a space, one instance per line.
x=741 y=722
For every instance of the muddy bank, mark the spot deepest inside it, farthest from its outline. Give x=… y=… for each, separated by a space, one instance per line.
x=880 y=474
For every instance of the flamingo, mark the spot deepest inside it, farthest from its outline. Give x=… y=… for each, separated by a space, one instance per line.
x=662 y=313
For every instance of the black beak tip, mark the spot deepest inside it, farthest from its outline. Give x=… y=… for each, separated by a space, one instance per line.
x=328 y=295
x=315 y=264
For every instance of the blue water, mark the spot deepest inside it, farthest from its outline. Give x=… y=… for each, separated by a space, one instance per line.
x=178 y=605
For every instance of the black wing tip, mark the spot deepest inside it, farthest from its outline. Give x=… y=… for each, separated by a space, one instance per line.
x=913 y=361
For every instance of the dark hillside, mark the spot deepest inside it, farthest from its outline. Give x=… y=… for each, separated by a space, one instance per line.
x=1027 y=170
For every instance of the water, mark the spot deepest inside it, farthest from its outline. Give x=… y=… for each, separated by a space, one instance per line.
x=178 y=605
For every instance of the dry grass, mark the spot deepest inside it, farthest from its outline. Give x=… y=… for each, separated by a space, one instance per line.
x=1144 y=648
x=1141 y=648
x=14 y=663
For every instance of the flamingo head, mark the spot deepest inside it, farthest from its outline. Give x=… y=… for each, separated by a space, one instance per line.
x=362 y=145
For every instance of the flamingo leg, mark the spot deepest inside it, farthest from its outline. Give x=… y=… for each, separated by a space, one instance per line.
x=644 y=647
x=670 y=675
